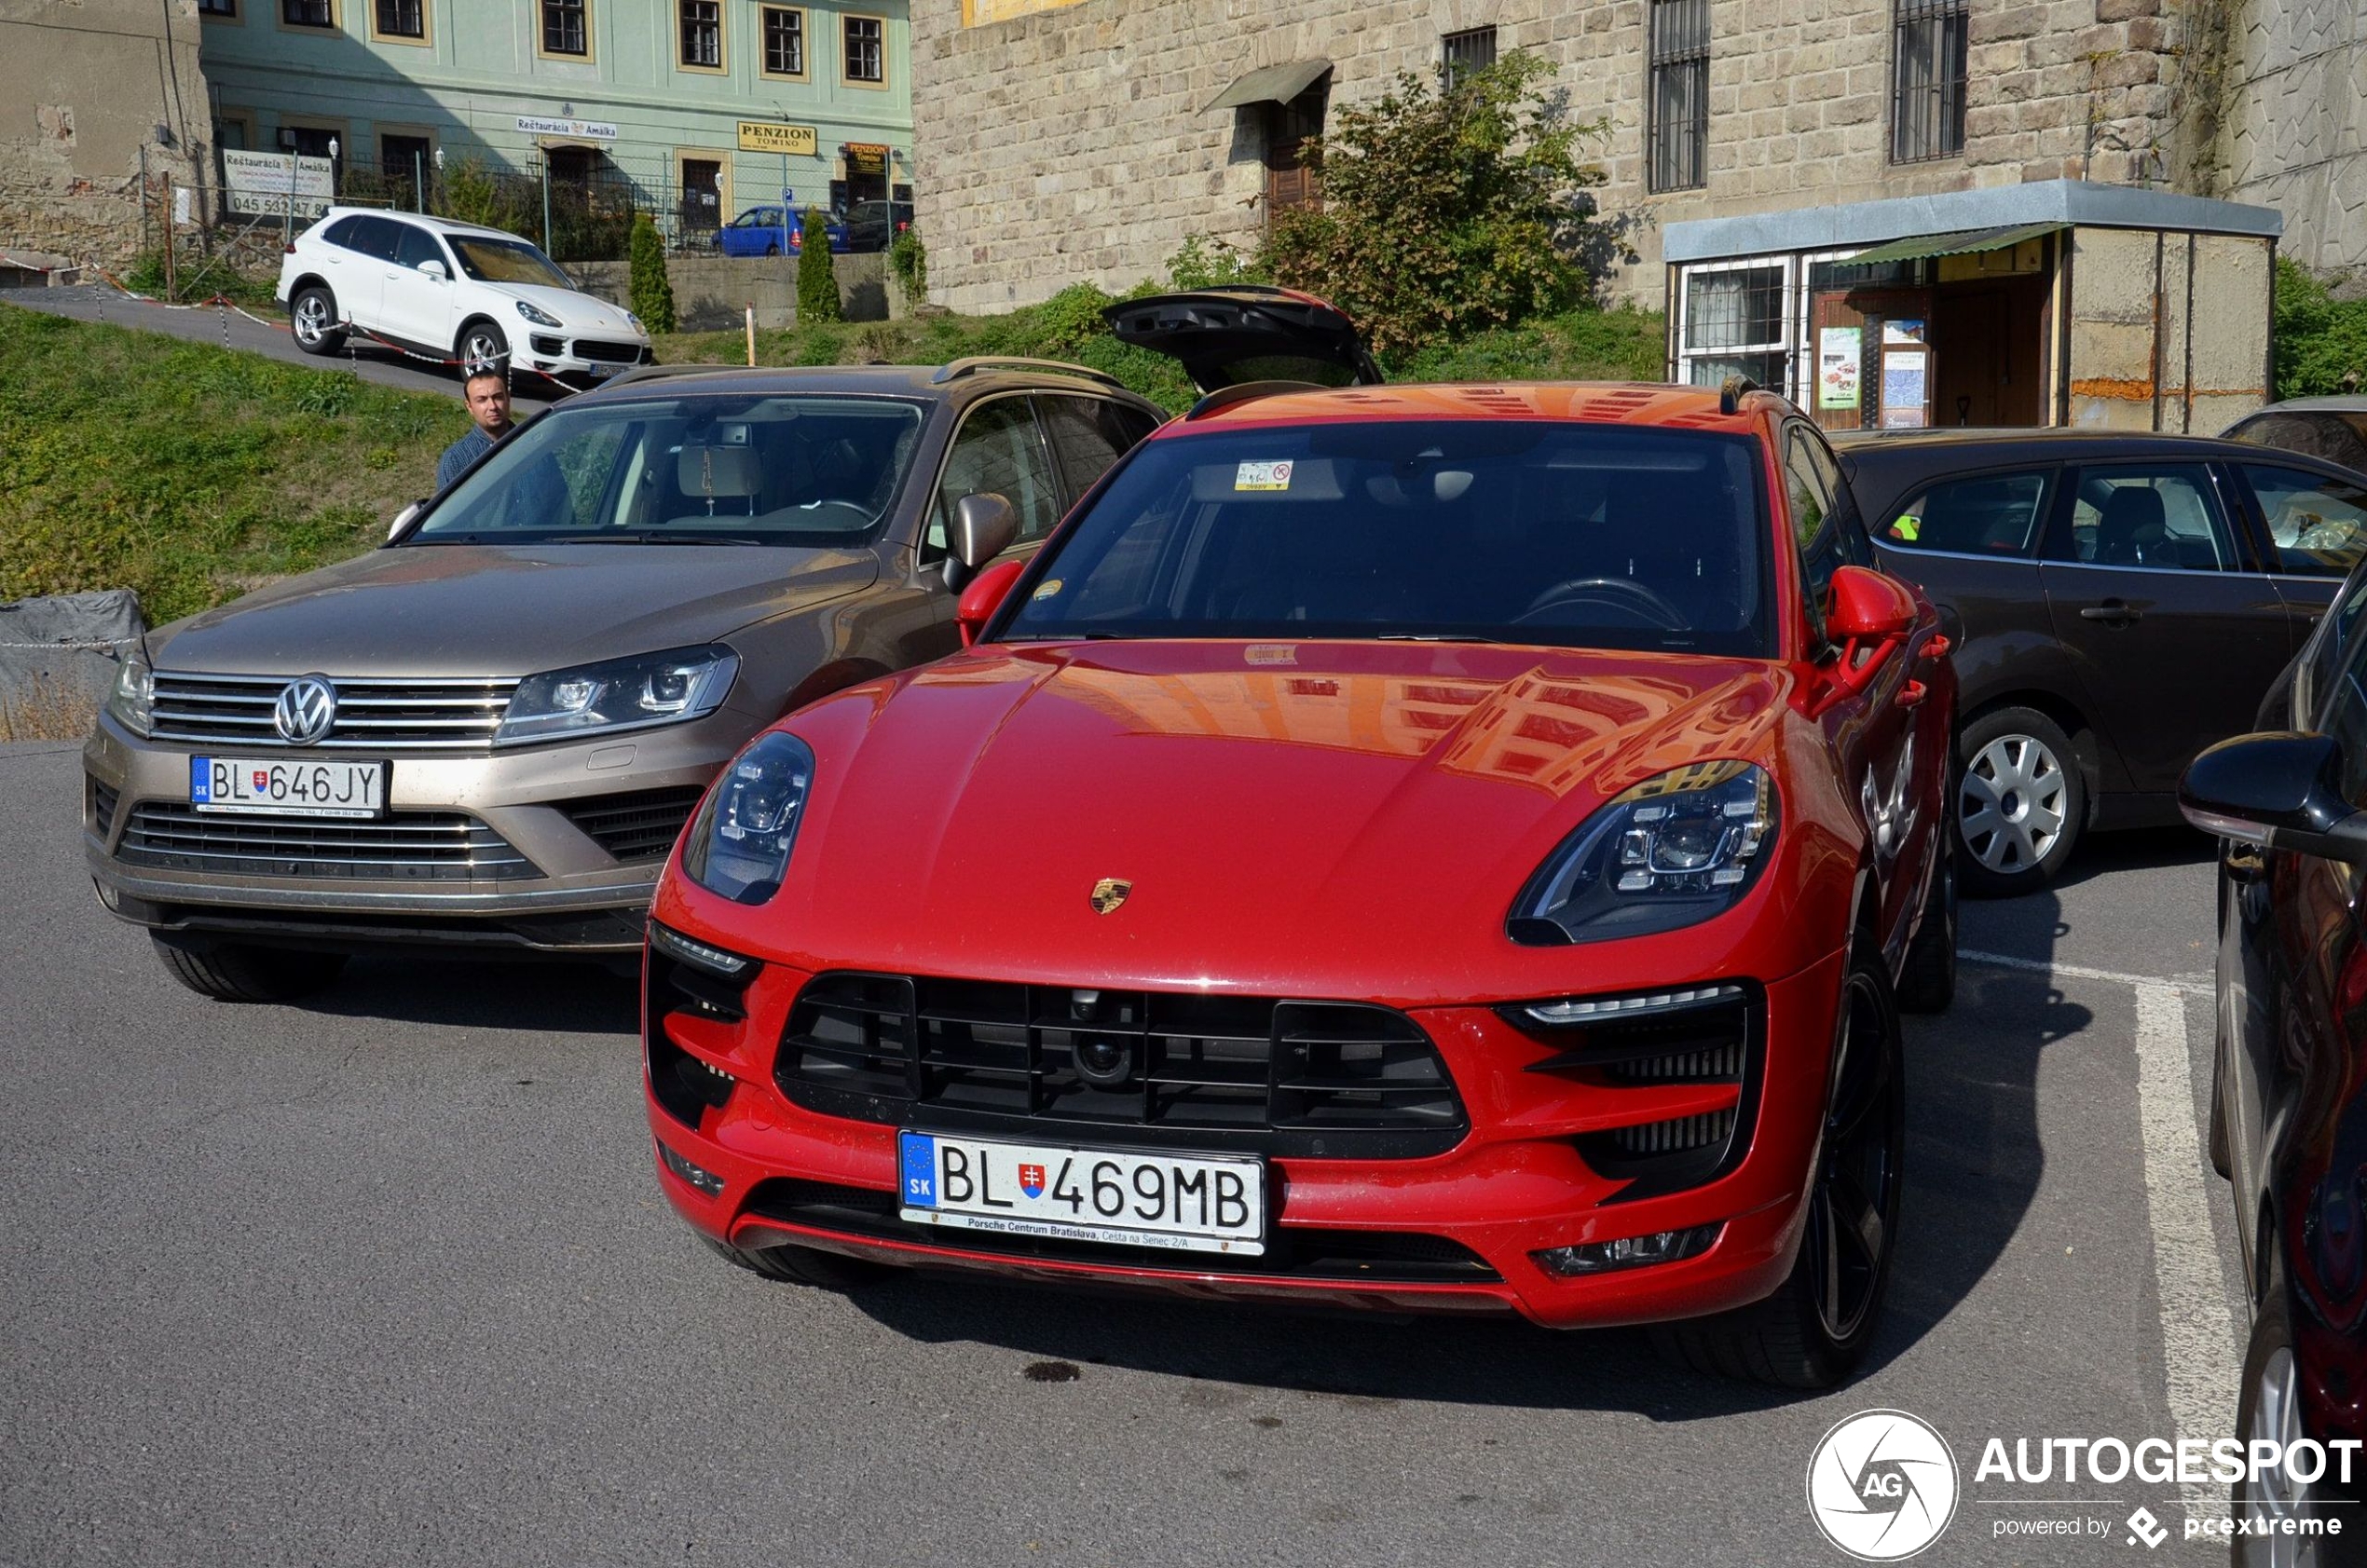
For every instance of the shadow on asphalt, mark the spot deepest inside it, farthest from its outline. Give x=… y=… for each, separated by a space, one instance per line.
x=1973 y=1162
x=575 y=998
x=2146 y=849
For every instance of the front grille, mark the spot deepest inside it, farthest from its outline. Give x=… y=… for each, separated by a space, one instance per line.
x=1640 y=1043
x=1292 y=1251
x=608 y=353
x=1256 y=1073
x=103 y=804
x=641 y=825
x=428 y=714
x=408 y=846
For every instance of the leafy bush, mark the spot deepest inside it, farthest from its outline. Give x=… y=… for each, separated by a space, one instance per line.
x=1447 y=210
x=908 y=259
x=1204 y=263
x=2321 y=341
x=653 y=289
x=817 y=274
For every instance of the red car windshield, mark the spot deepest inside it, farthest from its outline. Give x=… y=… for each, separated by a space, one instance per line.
x=1532 y=532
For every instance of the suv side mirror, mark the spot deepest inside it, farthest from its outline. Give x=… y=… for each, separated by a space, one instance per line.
x=1868 y=607
x=2281 y=791
x=984 y=526
x=403 y=519
x=434 y=269
x=984 y=596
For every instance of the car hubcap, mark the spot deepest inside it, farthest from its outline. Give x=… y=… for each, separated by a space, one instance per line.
x=2277 y=1416
x=2011 y=803
x=311 y=318
x=1857 y=1174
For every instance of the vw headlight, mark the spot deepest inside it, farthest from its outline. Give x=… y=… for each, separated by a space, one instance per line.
x=1672 y=852
x=738 y=845
x=536 y=314
x=133 y=701
x=634 y=693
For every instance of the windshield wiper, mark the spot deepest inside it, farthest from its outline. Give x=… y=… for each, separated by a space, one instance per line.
x=1430 y=637
x=639 y=538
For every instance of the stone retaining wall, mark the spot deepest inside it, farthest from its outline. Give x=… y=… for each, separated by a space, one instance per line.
x=712 y=292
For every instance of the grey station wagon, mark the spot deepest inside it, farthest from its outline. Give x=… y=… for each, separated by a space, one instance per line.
x=488 y=732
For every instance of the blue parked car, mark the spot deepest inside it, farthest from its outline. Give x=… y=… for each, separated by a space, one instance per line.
x=757 y=232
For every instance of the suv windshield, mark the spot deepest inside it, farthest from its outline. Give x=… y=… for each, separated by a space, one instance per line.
x=1521 y=532
x=703 y=469
x=506 y=261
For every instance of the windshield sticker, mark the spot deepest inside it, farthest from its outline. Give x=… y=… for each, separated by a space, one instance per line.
x=1047 y=590
x=1262 y=476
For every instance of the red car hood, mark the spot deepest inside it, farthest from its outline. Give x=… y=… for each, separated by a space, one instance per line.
x=1286 y=813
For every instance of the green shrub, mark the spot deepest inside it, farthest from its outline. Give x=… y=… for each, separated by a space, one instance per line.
x=2321 y=341
x=817 y=273
x=1206 y=262
x=1446 y=211
x=653 y=289
x=908 y=259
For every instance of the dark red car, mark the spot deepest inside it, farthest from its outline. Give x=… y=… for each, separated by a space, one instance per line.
x=1447 y=848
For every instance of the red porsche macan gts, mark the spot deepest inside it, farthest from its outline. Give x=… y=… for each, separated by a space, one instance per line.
x=1432 y=848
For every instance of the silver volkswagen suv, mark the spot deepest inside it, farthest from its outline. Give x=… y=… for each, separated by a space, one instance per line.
x=486 y=734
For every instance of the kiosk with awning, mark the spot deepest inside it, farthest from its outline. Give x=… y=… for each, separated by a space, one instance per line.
x=2056 y=301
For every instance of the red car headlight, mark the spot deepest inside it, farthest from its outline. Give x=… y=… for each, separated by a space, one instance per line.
x=739 y=843
x=1673 y=851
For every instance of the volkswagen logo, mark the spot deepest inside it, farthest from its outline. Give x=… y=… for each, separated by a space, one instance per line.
x=308 y=706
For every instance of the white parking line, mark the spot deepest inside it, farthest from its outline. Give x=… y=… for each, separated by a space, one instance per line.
x=2199 y=1352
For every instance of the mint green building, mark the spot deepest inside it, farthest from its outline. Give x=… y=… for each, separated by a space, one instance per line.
x=705 y=107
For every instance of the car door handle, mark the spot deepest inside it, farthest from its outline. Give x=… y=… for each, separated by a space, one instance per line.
x=2113 y=612
x=1911 y=694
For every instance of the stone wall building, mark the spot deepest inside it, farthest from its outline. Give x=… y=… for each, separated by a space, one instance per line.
x=2295 y=74
x=92 y=93
x=1071 y=140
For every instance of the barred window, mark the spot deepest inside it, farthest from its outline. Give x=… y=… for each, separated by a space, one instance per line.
x=783 y=42
x=1462 y=53
x=865 y=55
x=563 y=29
x=403 y=19
x=1927 y=81
x=1677 y=103
x=702 y=33
x=1734 y=320
x=307 y=13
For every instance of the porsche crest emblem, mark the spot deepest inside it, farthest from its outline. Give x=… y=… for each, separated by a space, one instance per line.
x=1108 y=893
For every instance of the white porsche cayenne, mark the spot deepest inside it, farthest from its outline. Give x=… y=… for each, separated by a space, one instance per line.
x=449 y=291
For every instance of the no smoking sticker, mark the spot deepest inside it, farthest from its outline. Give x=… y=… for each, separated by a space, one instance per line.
x=1262 y=476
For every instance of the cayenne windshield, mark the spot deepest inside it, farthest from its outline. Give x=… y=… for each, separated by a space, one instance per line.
x=506 y=261
x=1520 y=532
x=803 y=471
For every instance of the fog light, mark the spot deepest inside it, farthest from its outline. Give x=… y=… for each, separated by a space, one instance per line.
x=1631 y=1252
x=704 y=1181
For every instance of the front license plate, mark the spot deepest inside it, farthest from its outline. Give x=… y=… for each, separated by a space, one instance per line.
x=1190 y=1203
x=264 y=786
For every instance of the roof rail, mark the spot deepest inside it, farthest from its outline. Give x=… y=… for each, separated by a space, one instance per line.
x=1730 y=393
x=977 y=362
x=1245 y=392
x=655 y=372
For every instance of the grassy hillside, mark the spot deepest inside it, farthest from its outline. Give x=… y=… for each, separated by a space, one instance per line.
x=191 y=472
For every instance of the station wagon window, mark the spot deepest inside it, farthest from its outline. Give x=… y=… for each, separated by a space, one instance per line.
x=2149 y=519
x=2318 y=524
x=1982 y=514
x=1088 y=434
x=1001 y=451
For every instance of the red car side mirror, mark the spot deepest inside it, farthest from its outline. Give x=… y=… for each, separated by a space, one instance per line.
x=983 y=597
x=1869 y=615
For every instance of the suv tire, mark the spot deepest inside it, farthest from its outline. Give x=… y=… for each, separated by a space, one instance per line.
x=236 y=972
x=482 y=342
x=313 y=320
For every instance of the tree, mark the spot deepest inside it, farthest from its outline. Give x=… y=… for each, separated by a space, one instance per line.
x=653 y=289
x=1450 y=210
x=817 y=274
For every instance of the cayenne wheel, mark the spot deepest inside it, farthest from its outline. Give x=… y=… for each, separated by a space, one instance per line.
x=236 y=972
x=483 y=344
x=312 y=317
x=2269 y=1410
x=1813 y=1332
x=801 y=1265
x=2020 y=801
x=1927 y=981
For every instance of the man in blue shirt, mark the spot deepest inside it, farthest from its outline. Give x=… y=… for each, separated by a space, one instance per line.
x=487 y=391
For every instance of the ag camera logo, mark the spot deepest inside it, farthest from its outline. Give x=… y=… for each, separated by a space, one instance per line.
x=1882 y=1485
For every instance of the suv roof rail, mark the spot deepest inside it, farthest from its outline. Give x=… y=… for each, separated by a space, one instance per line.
x=1244 y=391
x=972 y=364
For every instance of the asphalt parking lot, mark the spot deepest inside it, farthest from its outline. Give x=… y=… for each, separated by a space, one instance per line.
x=387 y=1278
